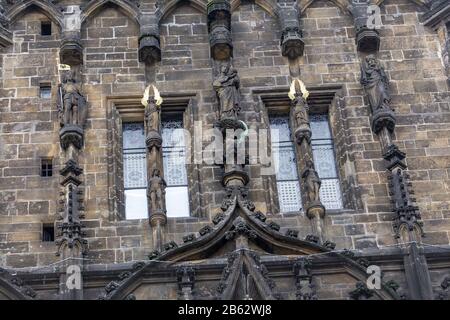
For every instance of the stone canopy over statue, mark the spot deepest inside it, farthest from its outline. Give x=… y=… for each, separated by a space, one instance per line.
x=227 y=87
x=72 y=108
x=376 y=86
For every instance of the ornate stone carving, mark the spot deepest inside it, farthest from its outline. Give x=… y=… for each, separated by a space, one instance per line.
x=303 y=280
x=361 y=292
x=170 y=246
x=154 y=255
x=71 y=211
x=367 y=38
x=376 y=86
x=240 y=227
x=260 y=216
x=292 y=233
x=157 y=192
x=330 y=245
x=312 y=238
x=205 y=230
x=443 y=290
x=72 y=108
x=189 y=238
x=186 y=280
x=292 y=44
x=274 y=226
x=219 y=26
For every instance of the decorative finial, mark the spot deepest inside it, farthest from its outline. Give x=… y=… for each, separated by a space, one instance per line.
x=296 y=86
x=151 y=91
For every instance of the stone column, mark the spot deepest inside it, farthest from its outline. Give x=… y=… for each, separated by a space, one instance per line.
x=72 y=246
x=156 y=184
x=310 y=181
x=407 y=219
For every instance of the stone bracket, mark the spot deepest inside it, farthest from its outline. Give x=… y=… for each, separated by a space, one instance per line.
x=292 y=44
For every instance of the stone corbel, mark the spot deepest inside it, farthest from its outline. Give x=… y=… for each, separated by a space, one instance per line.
x=149 y=42
x=219 y=27
x=367 y=38
x=292 y=45
x=186 y=281
x=71 y=49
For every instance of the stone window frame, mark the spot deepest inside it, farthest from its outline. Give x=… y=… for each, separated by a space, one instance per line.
x=129 y=109
x=322 y=99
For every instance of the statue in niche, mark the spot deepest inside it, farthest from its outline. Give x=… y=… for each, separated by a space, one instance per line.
x=72 y=104
x=376 y=84
x=157 y=186
x=312 y=182
x=227 y=87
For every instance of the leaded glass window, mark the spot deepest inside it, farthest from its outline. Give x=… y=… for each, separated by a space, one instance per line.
x=325 y=161
x=174 y=162
x=283 y=152
x=135 y=170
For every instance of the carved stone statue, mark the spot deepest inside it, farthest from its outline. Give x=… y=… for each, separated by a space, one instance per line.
x=298 y=95
x=312 y=182
x=227 y=87
x=157 y=186
x=72 y=104
x=376 y=84
x=152 y=101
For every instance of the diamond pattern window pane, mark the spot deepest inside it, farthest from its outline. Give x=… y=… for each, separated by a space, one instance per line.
x=133 y=136
x=279 y=129
x=319 y=126
x=330 y=194
x=284 y=159
x=174 y=162
x=285 y=162
x=324 y=161
x=135 y=170
x=174 y=153
x=289 y=196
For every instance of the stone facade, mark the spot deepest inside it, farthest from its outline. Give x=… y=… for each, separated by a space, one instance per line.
x=278 y=254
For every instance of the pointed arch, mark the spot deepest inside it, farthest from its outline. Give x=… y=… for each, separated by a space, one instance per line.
x=93 y=6
x=422 y=3
x=267 y=5
x=46 y=7
x=169 y=6
x=344 y=5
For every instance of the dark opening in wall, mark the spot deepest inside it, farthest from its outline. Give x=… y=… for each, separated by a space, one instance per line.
x=46 y=167
x=46 y=28
x=45 y=91
x=48 y=232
